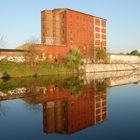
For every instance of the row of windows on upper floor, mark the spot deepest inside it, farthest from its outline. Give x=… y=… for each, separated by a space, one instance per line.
x=78 y=33
x=85 y=24
x=72 y=23
x=101 y=30
x=72 y=26
x=86 y=18
x=76 y=28
x=86 y=30
x=76 y=18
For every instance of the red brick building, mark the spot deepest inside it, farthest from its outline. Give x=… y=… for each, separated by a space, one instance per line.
x=69 y=28
x=63 y=29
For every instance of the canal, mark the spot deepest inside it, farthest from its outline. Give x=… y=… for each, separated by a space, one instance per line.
x=92 y=107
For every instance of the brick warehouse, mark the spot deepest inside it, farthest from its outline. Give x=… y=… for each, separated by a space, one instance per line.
x=63 y=29
x=69 y=28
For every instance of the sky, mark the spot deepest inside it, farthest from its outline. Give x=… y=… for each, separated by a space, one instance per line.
x=20 y=20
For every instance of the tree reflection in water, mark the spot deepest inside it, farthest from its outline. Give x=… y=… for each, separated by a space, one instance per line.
x=69 y=104
x=3 y=110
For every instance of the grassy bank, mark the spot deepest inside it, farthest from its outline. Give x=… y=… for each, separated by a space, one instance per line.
x=67 y=64
x=24 y=70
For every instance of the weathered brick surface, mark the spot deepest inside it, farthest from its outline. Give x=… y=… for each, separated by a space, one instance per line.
x=71 y=28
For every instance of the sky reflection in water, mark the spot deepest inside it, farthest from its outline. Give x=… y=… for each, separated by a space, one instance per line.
x=69 y=108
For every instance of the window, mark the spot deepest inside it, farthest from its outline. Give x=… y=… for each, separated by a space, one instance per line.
x=63 y=31
x=97 y=22
x=62 y=23
x=71 y=15
x=71 y=39
x=70 y=23
x=103 y=23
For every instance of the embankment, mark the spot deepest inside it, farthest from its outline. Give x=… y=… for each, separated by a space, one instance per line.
x=110 y=67
x=26 y=70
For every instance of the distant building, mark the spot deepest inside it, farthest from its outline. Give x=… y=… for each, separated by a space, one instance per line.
x=69 y=28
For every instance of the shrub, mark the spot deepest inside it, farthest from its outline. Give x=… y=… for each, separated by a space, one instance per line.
x=35 y=75
x=5 y=76
x=73 y=59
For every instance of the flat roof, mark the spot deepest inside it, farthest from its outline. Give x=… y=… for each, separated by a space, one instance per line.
x=12 y=50
x=75 y=11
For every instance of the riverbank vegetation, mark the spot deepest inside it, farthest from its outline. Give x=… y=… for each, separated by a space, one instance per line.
x=134 y=52
x=68 y=64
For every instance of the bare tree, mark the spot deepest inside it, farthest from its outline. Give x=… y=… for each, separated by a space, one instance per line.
x=32 y=40
x=3 y=110
x=2 y=41
x=32 y=51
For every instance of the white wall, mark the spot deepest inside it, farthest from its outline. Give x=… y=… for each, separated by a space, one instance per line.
x=120 y=58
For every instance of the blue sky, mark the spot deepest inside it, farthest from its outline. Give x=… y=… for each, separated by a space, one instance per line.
x=20 y=19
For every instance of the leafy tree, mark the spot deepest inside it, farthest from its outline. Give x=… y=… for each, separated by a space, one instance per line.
x=135 y=52
x=73 y=59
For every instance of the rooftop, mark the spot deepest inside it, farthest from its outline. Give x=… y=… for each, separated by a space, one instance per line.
x=74 y=11
x=11 y=50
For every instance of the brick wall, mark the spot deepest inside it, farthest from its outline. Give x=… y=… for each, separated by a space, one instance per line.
x=66 y=27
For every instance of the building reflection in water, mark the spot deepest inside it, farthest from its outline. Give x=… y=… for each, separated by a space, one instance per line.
x=72 y=113
x=68 y=105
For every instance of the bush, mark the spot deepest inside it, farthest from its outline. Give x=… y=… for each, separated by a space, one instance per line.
x=5 y=76
x=35 y=75
x=101 y=56
x=73 y=59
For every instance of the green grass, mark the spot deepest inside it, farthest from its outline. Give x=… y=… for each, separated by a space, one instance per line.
x=66 y=81
x=15 y=70
x=24 y=70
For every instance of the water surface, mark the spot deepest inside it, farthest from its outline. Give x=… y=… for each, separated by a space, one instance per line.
x=74 y=107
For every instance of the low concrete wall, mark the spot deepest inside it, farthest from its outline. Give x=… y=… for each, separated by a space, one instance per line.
x=110 y=67
x=122 y=58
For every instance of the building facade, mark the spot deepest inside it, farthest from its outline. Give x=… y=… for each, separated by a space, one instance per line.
x=69 y=28
x=13 y=55
x=62 y=30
